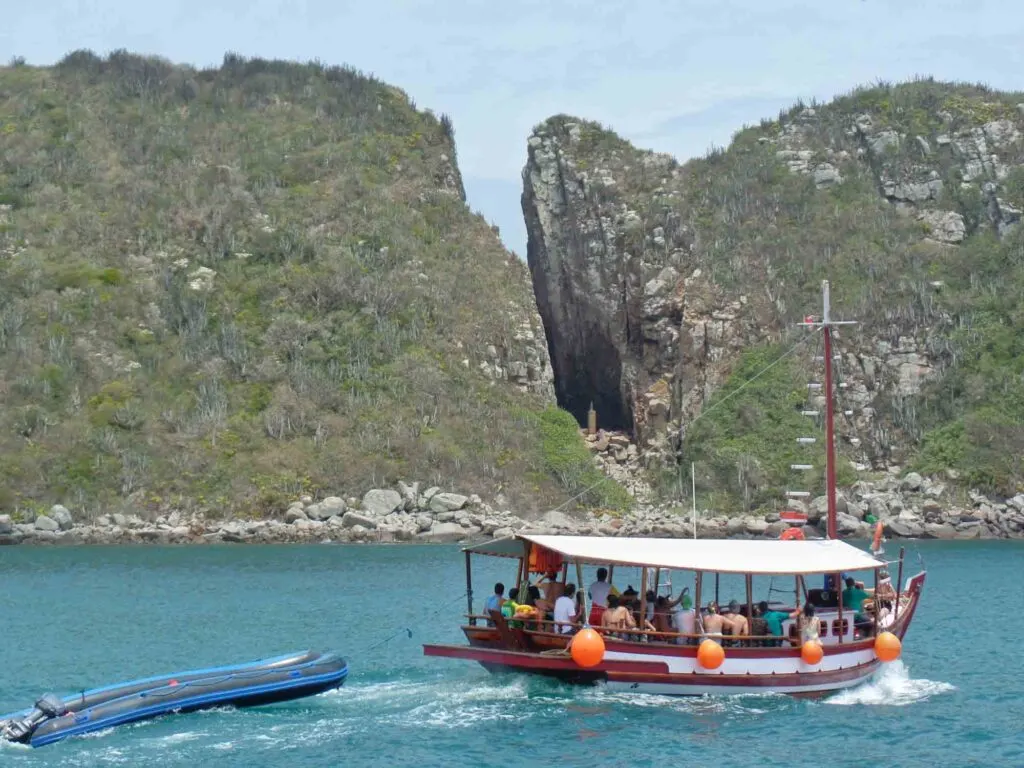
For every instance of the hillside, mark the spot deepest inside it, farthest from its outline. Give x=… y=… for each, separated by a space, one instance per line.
x=223 y=288
x=665 y=286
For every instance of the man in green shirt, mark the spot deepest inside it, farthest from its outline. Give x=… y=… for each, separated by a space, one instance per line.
x=853 y=598
x=773 y=619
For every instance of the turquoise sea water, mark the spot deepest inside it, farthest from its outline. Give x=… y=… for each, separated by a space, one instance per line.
x=83 y=617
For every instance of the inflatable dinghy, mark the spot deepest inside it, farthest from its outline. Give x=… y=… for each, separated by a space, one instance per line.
x=244 y=685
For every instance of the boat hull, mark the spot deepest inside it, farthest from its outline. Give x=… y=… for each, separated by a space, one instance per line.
x=623 y=673
x=267 y=681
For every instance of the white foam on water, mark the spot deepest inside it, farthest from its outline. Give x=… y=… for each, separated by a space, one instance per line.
x=101 y=734
x=892 y=686
x=223 y=746
x=177 y=738
x=441 y=704
x=746 y=703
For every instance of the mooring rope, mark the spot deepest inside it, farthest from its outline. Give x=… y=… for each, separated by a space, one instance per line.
x=408 y=630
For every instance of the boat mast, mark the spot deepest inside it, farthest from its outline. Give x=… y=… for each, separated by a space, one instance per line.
x=826 y=324
x=830 y=437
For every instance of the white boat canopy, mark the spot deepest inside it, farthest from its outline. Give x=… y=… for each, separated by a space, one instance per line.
x=768 y=557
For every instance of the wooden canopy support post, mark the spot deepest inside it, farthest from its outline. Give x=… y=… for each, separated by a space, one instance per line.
x=899 y=587
x=643 y=599
x=875 y=602
x=697 y=578
x=582 y=591
x=750 y=601
x=469 y=590
x=839 y=592
x=521 y=578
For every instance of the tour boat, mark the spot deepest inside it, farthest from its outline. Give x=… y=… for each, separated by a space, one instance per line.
x=852 y=642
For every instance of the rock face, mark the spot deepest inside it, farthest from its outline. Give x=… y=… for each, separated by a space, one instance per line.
x=652 y=277
x=633 y=327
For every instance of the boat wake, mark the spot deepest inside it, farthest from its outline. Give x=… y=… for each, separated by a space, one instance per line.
x=893 y=687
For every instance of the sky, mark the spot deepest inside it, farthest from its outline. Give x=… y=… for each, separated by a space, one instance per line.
x=677 y=76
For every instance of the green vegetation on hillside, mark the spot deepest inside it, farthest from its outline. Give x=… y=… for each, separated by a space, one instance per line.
x=758 y=229
x=745 y=442
x=223 y=288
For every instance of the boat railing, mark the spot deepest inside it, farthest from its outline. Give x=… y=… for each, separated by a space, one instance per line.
x=626 y=635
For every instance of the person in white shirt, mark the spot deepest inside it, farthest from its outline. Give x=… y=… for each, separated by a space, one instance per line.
x=599 y=592
x=566 y=611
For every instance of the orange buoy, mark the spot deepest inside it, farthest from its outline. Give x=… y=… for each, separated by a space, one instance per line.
x=792 y=534
x=888 y=646
x=876 y=542
x=710 y=654
x=587 y=648
x=812 y=652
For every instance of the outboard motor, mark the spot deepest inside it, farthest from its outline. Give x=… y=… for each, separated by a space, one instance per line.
x=48 y=707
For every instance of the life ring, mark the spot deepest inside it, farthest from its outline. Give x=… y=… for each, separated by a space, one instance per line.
x=792 y=534
x=876 y=542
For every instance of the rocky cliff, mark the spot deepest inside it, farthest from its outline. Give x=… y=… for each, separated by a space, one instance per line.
x=222 y=288
x=655 y=278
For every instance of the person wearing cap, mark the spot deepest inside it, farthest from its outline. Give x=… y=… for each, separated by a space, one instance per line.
x=685 y=616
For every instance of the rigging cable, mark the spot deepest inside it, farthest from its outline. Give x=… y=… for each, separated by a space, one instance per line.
x=703 y=413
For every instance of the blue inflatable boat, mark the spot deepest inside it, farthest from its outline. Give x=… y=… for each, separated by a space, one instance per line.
x=244 y=685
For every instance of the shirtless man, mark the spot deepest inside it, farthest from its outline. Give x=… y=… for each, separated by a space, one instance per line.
x=736 y=622
x=713 y=623
x=552 y=591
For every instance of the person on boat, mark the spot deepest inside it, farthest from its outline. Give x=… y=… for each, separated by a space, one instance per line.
x=713 y=623
x=662 y=617
x=736 y=621
x=685 y=616
x=567 y=611
x=527 y=610
x=599 y=592
x=510 y=606
x=617 y=617
x=773 y=620
x=854 y=597
x=807 y=622
x=494 y=601
x=884 y=590
x=552 y=591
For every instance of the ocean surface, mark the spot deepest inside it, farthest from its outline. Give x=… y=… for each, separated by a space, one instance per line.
x=73 y=618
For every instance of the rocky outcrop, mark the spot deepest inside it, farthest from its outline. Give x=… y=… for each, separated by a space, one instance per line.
x=634 y=327
x=909 y=506
x=645 y=321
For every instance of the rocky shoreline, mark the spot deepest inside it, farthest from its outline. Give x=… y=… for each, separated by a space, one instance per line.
x=909 y=507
